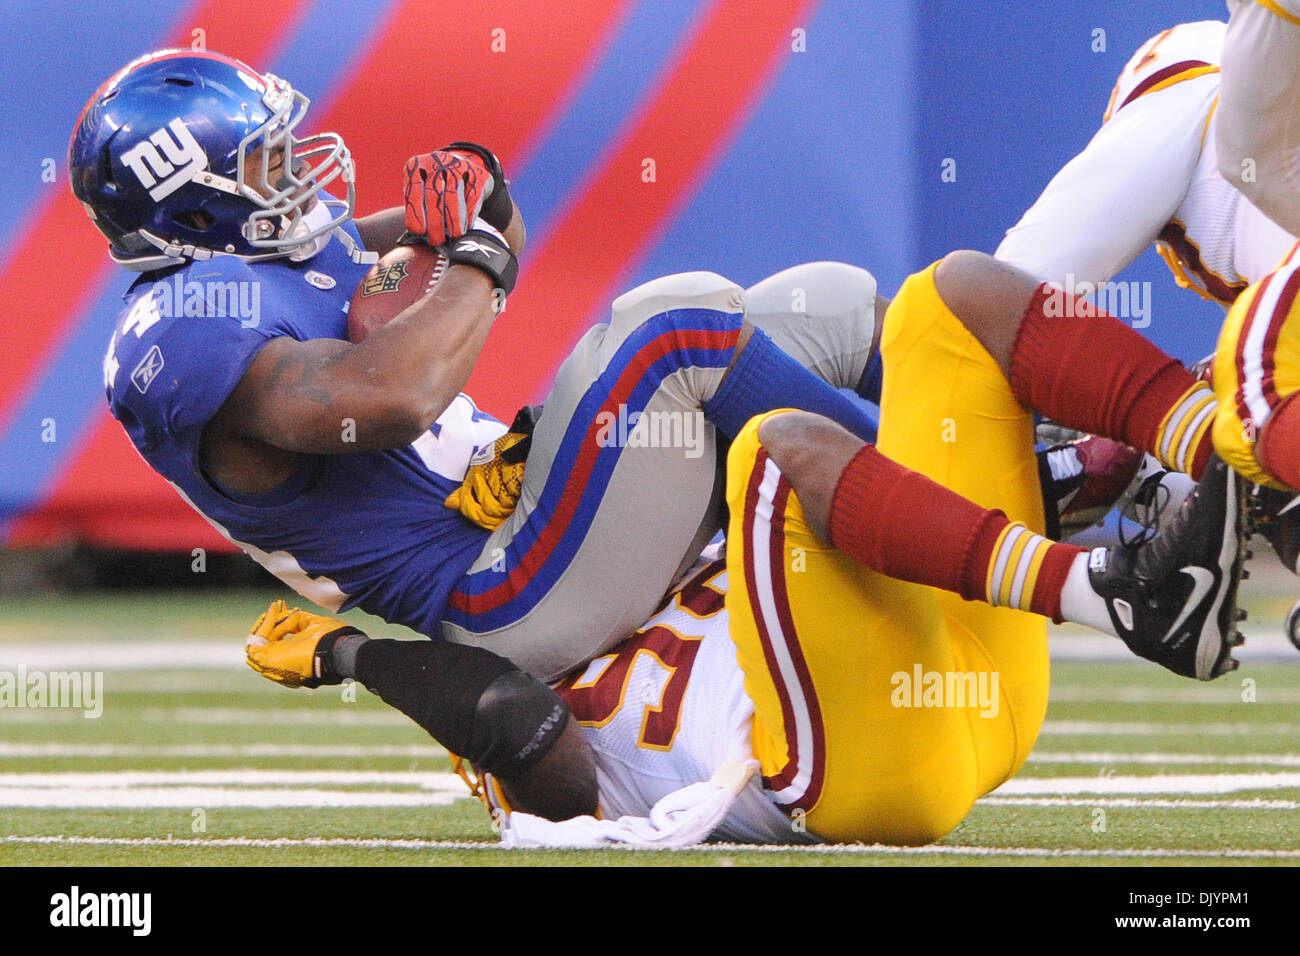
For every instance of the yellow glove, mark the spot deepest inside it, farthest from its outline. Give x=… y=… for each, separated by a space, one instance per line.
x=490 y=490
x=292 y=647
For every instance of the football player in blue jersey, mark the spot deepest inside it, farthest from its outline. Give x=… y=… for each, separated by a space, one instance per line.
x=330 y=462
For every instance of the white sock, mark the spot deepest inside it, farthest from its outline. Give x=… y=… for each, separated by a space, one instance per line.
x=1080 y=603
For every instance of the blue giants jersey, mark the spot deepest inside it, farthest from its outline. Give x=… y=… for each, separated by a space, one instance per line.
x=366 y=529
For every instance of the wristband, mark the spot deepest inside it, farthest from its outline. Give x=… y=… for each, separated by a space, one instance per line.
x=488 y=253
x=483 y=225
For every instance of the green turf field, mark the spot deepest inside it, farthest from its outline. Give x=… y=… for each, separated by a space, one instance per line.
x=197 y=761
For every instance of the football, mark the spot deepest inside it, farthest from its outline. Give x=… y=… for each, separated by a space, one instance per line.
x=393 y=283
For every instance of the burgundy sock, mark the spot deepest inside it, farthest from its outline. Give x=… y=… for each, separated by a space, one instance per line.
x=1046 y=599
x=946 y=542
x=1088 y=370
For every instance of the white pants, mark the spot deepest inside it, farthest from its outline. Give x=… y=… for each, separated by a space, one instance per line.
x=650 y=507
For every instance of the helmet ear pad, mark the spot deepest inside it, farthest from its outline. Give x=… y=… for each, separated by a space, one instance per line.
x=197 y=219
x=205 y=218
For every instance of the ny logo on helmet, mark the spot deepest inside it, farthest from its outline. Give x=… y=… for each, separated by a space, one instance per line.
x=162 y=173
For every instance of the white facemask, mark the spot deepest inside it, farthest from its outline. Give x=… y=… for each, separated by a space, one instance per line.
x=317 y=218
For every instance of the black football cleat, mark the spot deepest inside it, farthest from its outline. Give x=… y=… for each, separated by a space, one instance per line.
x=1173 y=598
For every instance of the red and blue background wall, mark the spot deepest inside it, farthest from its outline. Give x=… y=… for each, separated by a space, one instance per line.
x=781 y=131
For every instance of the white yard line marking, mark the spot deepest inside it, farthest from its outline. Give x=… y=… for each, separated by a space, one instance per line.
x=836 y=848
x=1193 y=696
x=1138 y=803
x=1261 y=645
x=227 y=778
x=229 y=788
x=433 y=751
x=343 y=715
x=134 y=654
x=1160 y=783
x=209 y=797
x=1116 y=757
x=1091 y=728
x=272 y=788
x=440 y=780
x=124 y=751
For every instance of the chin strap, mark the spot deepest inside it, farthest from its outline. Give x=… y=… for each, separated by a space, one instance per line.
x=362 y=257
x=173 y=254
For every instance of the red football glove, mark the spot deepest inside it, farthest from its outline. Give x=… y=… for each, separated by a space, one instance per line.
x=446 y=190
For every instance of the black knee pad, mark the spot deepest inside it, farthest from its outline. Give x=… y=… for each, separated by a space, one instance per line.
x=475 y=703
x=516 y=722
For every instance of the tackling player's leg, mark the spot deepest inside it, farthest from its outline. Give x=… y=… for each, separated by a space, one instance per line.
x=819 y=638
x=853 y=660
x=1098 y=375
x=917 y=773
x=1079 y=366
x=931 y=334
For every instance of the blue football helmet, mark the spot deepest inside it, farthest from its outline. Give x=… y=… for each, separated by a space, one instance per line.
x=185 y=155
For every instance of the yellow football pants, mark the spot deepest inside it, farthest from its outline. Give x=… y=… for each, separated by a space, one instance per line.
x=842 y=662
x=1256 y=365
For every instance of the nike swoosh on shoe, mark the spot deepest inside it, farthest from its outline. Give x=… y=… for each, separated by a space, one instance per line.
x=1203 y=584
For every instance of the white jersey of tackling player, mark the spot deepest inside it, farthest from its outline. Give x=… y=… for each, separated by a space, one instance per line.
x=1259 y=123
x=665 y=711
x=1151 y=174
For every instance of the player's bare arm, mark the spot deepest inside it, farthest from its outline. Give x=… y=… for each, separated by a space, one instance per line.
x=393 y=386
x=381 y=230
